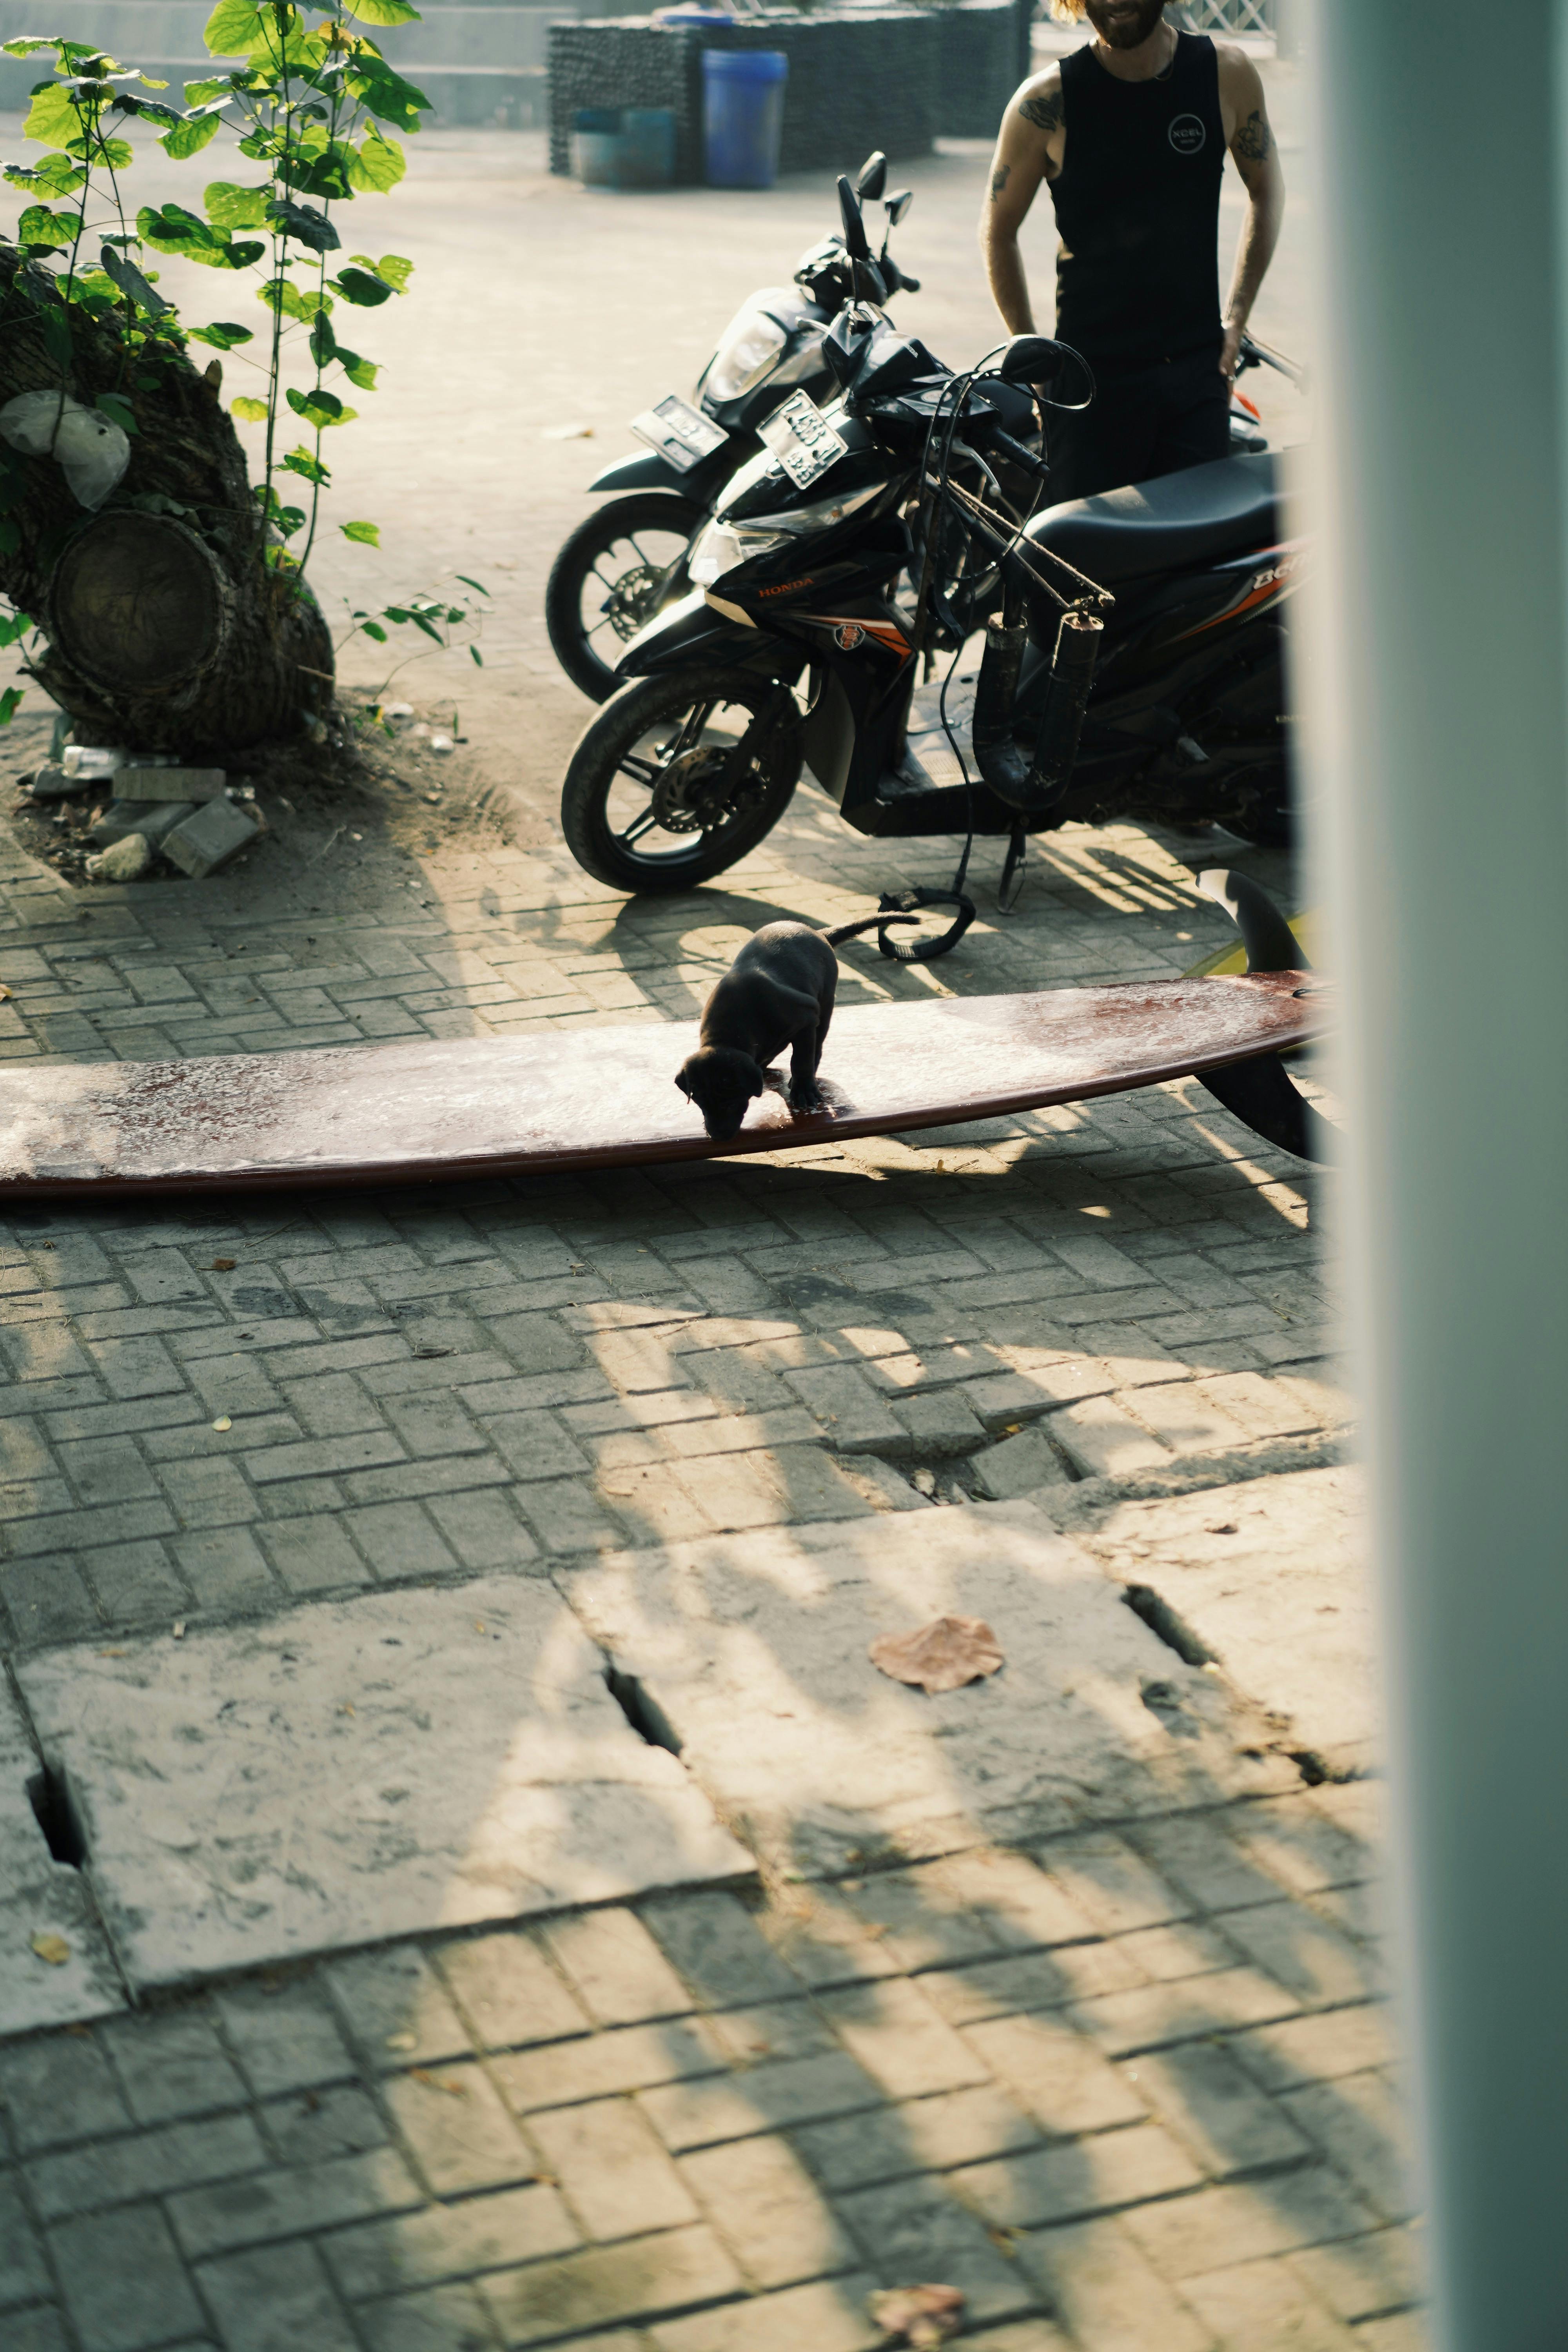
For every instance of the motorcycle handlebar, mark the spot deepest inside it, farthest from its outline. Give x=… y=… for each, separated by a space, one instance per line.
x=1019 y=452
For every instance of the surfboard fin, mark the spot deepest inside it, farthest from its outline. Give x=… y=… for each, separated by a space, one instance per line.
x=1271 y=945
x=1261 y=1092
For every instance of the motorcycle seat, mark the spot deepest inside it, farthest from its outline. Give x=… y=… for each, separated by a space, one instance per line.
x=1197 y=516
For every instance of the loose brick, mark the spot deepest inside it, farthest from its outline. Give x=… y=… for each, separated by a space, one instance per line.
x=1102 y=1441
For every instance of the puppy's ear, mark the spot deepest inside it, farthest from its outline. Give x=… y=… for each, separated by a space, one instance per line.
x=685 y=1089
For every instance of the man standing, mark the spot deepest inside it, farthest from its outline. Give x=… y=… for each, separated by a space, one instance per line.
x=1129 y=132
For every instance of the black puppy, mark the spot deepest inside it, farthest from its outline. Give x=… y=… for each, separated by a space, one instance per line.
x=777 y=993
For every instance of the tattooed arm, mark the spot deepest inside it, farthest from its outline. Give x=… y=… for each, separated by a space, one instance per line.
x=1256 y=156
x=1029 y=149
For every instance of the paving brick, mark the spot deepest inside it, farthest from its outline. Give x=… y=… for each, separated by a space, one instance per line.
x=38 y=2330
x=398 y=1539
x=851 y=1414
x=1313 y=1959
x=639 y=2280
x=395 y=2009
x=446 y=2242
x=613 y=2168
x=1018 y=1466
x=509 y=1990
x=482 y=1529
x=618 y=1970
x=1315 y=2049
x=1043 y=2185
x=565 y=1517
x=916 y=2229
x=210 y=1494
x=1196 y=1852
x=172 y=2064
x=147 y=2164
x=1358 y=2124
x=1246 y=2221
x=136 y=1583
x=1193 y=2009
x=1108 y=2296
x=828 y=2315
x=715 y=1943
x=458 y=2133
x=276 y=2298
x=24 y=2274
x=1359 y=2277
x=768 y=2211
x=320 y=2124
x=1108 y=1882
x=123 y=2281
x=224 y=1569
x=59 y=2088
x=222 y=2215
x=313 y=1555
x=137 y=1368
x=700 y=2113
x=902 y=2041
x=1104 y=1441
x=107 y=1470
x=1264 y=2302
x=436 y=2319
x=632 y=2058
x=1216 y=2108
x=331 y=1404
x=1057 y=2076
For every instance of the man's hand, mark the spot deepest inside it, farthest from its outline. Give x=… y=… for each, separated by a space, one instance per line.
x=1253 y=152
x=1230 y=350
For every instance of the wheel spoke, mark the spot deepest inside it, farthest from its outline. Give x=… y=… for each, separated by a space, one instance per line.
x=638 y=827
x=642 y=771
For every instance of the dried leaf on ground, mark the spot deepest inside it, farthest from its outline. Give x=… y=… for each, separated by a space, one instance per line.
x=223 y=1265
x=922 y=2315
x=53 y=1948
x=941 y=1656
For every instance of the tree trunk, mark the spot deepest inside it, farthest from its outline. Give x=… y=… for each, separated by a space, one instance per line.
x=166 y=631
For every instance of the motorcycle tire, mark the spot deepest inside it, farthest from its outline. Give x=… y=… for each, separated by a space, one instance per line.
x=668 y=742
x=634 y=588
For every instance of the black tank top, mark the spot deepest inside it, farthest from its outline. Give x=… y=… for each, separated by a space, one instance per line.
x=1137 y=205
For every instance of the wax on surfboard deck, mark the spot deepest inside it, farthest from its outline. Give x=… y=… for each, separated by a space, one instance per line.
x=583 y=1097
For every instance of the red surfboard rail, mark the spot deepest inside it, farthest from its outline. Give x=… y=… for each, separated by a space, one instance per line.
x=597 y=1097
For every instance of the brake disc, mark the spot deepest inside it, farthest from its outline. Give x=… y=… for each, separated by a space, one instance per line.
x=631 y=601
x=692 y=795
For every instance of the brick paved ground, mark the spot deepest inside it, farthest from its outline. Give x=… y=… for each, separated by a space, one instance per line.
x=1127 y=2088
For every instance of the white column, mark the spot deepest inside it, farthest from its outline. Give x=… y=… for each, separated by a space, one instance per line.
x=1433 y=676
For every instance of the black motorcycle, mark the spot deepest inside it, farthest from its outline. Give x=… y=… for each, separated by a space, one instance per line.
x=625 y=561
x=1132 y=669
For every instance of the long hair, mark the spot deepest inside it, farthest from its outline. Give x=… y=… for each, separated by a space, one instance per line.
x=1068 y=12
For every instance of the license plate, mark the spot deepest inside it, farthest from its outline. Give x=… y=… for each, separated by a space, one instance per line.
x=681 y=434
x=802 y=439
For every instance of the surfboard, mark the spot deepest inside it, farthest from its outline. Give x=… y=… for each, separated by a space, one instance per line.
x=592 y=1097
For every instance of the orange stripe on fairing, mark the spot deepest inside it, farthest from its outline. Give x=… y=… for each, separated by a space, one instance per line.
x=883 y=631
x=1233 y=611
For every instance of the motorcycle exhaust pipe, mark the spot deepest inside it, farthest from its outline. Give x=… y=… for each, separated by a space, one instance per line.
x=1033 y=785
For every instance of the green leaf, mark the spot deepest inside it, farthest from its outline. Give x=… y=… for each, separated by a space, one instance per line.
x=384 y=93
x=373 y=629
x=10 y=701
x=56 y=333
x=25 y=47
x=131 y=283
x=381 y=12
x=359 y=285
x=10 y=537
x=360 y=373
x=46 y=232
x=320 y=407
x=57 y=176
x=303 y=461
x=294 y=302
x=116 y=154
x=317 y=167
x=14 y=627
x=305 y=224
x=368 y=534
x=324 y=342
x=221 y=335
x=202 y=93
x=470 y=584
x=237 y=28
x=230 y=206
x=250 y=412
x=118 y=411
x=52 y=119
x=189 y=137
x=474 y=656
x=392 y=267
x=173 y=229
x=376 y=164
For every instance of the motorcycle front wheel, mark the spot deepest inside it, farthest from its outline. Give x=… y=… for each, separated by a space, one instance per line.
x=680 y=777
x=609 y=579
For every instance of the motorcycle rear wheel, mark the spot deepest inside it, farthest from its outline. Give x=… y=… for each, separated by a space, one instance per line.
x=649 y=805
x=607 y=581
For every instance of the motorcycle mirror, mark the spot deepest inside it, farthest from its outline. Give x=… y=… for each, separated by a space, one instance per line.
x=898 y=205
x=1061 y=376
x=872 y=177
x=1029 y=358
x=855 y=243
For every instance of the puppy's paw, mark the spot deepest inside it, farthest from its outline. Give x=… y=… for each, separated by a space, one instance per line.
x=804 y=1100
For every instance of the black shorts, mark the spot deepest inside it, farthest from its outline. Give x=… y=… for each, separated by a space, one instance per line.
x=1143 y=423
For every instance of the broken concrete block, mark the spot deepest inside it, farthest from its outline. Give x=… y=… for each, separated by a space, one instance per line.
x=168 y=783
x=52 y=783
x=122 y=861
x=152 y=819
x=209 y=837
x=1018 y=1466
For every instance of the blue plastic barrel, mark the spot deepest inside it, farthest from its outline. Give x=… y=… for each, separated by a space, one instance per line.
x=648 y=146
x=742 y=116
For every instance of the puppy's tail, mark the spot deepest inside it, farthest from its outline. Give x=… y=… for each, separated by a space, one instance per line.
x=868 y=923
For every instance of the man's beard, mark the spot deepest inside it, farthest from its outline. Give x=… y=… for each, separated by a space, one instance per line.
x=1126 y=27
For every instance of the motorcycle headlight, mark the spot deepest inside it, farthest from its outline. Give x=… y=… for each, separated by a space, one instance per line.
x=727 y=543
x=748 y=348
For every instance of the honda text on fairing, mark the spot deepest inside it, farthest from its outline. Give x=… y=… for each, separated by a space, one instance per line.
x=625 y=561
x=1133 y=667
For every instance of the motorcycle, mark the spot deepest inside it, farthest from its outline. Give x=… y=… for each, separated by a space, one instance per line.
x=619 y=566
x=1134 y=668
